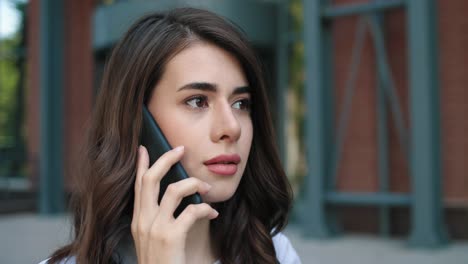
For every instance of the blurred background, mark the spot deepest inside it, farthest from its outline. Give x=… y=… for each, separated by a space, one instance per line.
x=369 y=100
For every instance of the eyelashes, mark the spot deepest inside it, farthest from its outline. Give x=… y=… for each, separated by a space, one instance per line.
x=243 y=104
x=198 y=101
x=201 y=102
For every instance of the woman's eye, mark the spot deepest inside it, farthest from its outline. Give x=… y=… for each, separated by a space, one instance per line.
x=198 y=102
x=243 y=104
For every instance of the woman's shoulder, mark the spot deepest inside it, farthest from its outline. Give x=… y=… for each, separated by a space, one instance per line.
x=69 y=260
x=285 y=252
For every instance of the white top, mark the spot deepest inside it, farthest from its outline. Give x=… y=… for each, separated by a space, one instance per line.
x=285 y=252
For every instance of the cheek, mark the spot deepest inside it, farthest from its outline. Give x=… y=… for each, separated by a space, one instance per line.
x=194 y=139
x=187 y=133
x=178 y=127
x=247 y=135
x=183 y=133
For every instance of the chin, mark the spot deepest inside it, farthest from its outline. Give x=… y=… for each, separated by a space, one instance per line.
x=217 y=196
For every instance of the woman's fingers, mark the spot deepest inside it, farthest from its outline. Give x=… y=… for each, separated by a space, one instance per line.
x=153 y=224
x=152 y=177
x=142 y=167
x=175 y=192
x=192 y=213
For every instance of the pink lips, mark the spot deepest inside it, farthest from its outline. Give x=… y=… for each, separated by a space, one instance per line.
x=223 y=164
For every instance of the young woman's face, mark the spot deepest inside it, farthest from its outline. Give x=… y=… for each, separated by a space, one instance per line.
x=203 y=103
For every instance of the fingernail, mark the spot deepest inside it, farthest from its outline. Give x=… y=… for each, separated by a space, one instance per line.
x=140 y=149
x=214 y=214
x=179 y=148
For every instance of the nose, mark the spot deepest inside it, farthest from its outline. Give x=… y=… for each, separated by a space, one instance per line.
x=225 y=124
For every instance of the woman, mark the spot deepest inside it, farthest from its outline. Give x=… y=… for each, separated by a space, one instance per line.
x=203 y=84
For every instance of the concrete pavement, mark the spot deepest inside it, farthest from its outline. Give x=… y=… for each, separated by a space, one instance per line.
x=30 y=238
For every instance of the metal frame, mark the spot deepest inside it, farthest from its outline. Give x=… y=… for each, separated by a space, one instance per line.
x=316 y=62
x=51 y=193
x=423 y=151
x=282 y=58
x=427 y=224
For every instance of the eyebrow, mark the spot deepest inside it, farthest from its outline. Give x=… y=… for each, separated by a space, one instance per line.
x=211 y=87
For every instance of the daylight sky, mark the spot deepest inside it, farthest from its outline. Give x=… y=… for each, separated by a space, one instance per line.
x=9 y=18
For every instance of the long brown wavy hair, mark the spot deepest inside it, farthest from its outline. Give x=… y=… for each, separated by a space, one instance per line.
x=102 y=202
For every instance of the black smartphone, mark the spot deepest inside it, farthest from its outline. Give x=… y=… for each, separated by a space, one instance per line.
x=152 y=138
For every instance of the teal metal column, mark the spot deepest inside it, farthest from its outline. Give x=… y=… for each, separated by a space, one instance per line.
x=382 y=134
x=317 y=103
x=282 y=73
x=51 y=195
x=427 y=223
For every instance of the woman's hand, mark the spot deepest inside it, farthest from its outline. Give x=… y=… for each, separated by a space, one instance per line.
x=158 y=236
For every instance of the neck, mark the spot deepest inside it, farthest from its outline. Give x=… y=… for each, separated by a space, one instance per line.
x=198 y=247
